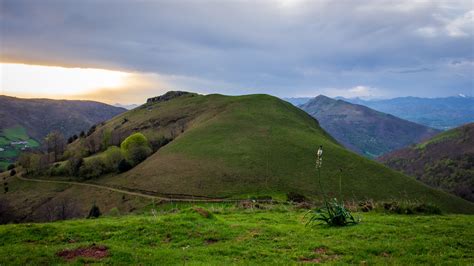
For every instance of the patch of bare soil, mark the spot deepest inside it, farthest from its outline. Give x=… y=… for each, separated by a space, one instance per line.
x=95 y=252
x=211 y=241
x=322 y=256
x=204 y=213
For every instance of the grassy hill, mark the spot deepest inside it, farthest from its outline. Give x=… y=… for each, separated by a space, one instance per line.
x=31 y=120
x=363 y=130
x=236 y=146
x=235 y=235
x=444 y=161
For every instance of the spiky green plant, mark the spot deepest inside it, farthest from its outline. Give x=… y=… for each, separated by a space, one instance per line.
x=333 y=213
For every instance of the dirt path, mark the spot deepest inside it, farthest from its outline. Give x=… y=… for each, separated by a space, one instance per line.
x=128 y=192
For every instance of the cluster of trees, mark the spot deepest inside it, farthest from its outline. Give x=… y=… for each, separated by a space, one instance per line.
x=133 y=150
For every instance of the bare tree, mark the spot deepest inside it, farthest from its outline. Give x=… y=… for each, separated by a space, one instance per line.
x=55 y=144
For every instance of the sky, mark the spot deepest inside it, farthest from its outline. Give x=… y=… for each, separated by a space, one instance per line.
x=125 y=51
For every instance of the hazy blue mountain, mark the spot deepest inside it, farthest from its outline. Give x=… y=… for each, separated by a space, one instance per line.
x=441 y=113
x=363 y=130
x=296 y=101
x=126 y=106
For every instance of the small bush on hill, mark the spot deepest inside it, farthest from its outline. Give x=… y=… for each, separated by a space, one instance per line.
x=114 y=212
x=136 y=148
x=157 y=144
x=73 y=165
x=410 y=207
x=93 y=168
x=59 y=170
x=113 y=156
x=94 y=212
x=91 y=130
x=12 y=172
x=124 y=166
x=10 y=167
x=295 y=197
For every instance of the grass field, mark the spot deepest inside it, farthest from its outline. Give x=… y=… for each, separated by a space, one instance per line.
x=231 y=235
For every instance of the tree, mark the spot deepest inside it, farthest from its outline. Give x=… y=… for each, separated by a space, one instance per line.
x=25 y=161
x=136 y=148
x=55 y=144
x=12 y=172
x=74 y=164
x=10 y=166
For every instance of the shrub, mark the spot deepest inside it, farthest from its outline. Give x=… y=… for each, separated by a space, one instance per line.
x=427 y=208
x=157 y=144
x=59 y=170
x=10 y=167
x=366 y=206
x=295 y=197
x=334 y=214
x=93 y=168
x=113 y=156
x=12 y=172
x=411 y=207
x=91 y=130
x=124 y=166
x=114 y=212
x=74 y=164
x=136 y=148
x=94 y=212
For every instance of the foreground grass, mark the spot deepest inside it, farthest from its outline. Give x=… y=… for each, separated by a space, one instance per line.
x=244 y=236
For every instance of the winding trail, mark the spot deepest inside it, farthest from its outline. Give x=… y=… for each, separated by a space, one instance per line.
x=133 y=193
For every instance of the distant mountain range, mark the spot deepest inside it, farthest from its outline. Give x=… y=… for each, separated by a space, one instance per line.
x=31 y=120
x=126 y=106
x=363 y=130
x=440 y=113
x=445 y=161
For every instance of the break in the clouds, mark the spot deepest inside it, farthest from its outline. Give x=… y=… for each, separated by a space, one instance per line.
x=282 y=47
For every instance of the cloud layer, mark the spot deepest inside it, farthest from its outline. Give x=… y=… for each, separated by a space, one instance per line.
x=281 y=47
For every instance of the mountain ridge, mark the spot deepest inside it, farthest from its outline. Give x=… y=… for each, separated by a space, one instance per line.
x=364 y=130
x=444 y=161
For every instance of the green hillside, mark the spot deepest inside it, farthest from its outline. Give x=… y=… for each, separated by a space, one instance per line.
x=444 y=161
x=236 y=146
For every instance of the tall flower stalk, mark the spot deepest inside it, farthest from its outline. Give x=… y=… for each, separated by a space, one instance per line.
x=333 y=212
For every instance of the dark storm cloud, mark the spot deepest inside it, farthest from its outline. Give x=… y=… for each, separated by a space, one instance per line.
x=280 y=47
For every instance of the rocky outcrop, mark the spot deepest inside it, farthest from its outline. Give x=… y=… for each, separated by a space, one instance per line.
x=167 y=96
